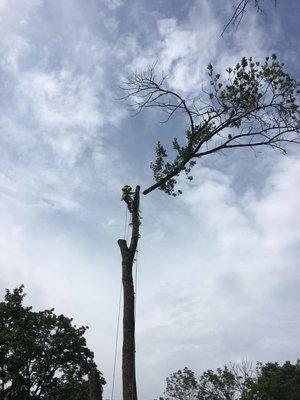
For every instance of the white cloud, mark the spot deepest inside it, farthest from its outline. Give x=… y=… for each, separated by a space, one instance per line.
x=220 y=288
x=114 y=4
x=183 y=49
x=61 y=99
x=57 y=108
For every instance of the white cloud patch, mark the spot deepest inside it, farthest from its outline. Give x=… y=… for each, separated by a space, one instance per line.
x=114 y=4
x=56 y=107
x=61 y=99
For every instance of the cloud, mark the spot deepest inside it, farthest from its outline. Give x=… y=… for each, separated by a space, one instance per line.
x=183 y=47
x=57 y=107
x=217 y=268
x=225 y=297
x=114 y=4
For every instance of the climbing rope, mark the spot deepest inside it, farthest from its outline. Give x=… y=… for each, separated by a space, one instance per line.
x=126 y=225
x=116 y=343
x=135 y=281
x=126 y=230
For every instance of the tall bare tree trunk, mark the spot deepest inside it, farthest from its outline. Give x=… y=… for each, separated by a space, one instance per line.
x=128 y=254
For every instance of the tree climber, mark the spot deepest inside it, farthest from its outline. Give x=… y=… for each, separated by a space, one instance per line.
x=127 y=196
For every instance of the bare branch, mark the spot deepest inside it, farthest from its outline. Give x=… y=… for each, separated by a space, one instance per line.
x=240 y=10
x=148 y=91
x=254 y=105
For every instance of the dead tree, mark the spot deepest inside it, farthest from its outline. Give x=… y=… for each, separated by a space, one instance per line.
x=253 y=106
x=128 y=253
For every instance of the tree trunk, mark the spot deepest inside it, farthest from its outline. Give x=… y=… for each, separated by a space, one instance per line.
x=95 y=386
x=128 y=254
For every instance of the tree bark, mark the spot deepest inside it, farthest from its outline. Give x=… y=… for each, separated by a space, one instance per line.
x=128 y=254
x=95 y=386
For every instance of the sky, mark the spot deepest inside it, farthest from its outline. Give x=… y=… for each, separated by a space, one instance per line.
x=218 y=267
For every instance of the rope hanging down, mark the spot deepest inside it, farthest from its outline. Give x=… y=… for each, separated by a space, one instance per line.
x=126 y=230
x=116 y=343
x=135 y=282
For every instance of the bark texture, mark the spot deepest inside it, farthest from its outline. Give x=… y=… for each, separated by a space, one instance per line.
x=128 y=254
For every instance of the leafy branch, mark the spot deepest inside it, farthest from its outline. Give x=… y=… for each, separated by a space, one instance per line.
x=254 y=104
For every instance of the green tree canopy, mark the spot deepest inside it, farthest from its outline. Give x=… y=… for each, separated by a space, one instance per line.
x=278 y=382
x=182 y=385
x=236 y=382
x=233 y=382
x=42 y=355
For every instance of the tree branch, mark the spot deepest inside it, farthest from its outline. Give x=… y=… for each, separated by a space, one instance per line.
x=240 y=10
x=255 y=105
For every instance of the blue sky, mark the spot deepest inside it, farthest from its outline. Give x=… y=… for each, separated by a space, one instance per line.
x=218 y=266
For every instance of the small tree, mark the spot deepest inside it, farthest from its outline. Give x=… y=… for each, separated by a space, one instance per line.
x=42 y=355
x=181 y=385
x=233 y=382
x=254 y=105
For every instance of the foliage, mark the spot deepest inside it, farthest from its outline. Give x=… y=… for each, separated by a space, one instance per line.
x=254 y=104
x=232 y=382
x=237 y=382
x=182 y=385
x=42 y=355
x=277 y=382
